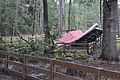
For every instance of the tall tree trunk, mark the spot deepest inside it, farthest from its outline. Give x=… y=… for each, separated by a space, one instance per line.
x=16 y=22
x=119 y=27
x=7 y=32
x=69 y=16
x=41 y=18
x=46 y=27
x=100 y=11
x=110 y=25
x=79 y=13
x=37 y=17
x=61 y=20
x=34 y=17
x=118 y=22
x=41 y=21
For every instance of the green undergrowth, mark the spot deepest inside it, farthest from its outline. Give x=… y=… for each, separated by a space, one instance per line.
x=81 y=54
x=77 y=55
x=35 y=48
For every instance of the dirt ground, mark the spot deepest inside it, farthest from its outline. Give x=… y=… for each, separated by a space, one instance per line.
x=4 y=76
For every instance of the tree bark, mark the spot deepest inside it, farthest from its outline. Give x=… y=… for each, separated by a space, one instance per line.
x=118 y=23
x=100 y=11
x=48 y=38
x=34 y=17
x=41 y=18
x=110 y=25
x=17 y=5
x=69 y=16
x=119 y=27
x=61 y=19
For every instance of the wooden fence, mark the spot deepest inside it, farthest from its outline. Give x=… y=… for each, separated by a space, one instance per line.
x=51 y=71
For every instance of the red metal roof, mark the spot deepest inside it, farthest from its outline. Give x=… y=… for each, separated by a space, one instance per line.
x=70 y=36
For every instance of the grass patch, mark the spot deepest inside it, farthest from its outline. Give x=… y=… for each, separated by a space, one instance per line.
x=118 y=45
x=118 y=41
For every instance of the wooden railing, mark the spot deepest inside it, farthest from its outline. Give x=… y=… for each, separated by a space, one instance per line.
x=7 y=59
x=82 y=46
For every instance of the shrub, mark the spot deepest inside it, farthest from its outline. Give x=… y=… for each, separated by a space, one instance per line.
x=81 y=55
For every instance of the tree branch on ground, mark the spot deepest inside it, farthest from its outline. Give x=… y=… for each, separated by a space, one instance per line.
x=9 y=26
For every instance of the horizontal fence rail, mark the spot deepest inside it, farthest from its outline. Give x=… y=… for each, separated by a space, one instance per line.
x=51 y=71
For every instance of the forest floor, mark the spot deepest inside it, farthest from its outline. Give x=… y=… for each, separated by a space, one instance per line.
x=5 y=76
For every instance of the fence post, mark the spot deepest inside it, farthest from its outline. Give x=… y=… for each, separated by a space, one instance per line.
x=100 y=40
x=24 y=67
x=6 y=62
x=52 y=69
x=11 y=41
x=88 y=48
x=64 y=49
x=98 y=77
